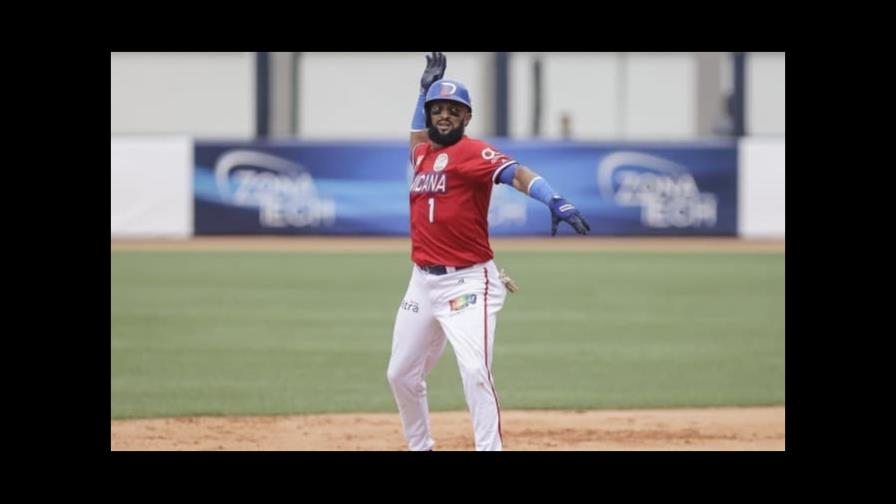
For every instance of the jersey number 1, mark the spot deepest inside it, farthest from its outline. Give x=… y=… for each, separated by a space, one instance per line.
x=432 y=209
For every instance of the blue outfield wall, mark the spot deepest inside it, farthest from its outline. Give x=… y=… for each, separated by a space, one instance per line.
x=361 y=188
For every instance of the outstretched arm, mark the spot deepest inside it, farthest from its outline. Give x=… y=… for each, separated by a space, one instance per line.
x=435 y=69
x=528 y=182
x=522 y=178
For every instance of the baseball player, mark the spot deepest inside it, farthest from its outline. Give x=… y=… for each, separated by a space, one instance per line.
x=455 y=291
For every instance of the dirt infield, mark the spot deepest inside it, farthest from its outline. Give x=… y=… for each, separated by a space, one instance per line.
x=399 y=244
x=715 y=429
x=709 y=429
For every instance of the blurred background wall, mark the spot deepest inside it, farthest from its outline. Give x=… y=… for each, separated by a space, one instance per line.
x=599 y=96
x=361 y=97
x=195 y=94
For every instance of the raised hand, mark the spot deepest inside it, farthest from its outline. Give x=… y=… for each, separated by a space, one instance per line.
x=435 y=69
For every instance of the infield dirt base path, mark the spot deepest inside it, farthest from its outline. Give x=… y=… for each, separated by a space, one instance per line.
x=712 y=429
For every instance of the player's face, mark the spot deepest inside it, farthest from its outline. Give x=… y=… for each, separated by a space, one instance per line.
x=447 y=116
x=446 y=121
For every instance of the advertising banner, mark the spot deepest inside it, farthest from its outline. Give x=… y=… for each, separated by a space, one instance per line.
x=358 y=188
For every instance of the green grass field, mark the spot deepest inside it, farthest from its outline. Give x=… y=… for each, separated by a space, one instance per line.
x=266 y=333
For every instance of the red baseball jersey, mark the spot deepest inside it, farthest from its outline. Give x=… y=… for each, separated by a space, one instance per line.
x=450 y=196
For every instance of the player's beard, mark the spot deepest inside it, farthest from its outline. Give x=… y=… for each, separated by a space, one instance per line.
x=450 y=138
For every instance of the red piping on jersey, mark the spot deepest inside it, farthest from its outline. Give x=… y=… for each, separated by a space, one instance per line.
x=485 y=345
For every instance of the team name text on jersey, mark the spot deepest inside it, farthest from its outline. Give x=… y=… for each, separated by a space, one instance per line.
x=429 y=183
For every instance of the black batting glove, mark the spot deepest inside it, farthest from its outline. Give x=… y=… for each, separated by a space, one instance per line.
x=435 y=69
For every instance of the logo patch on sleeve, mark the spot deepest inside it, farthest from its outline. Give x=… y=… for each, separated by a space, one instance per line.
x=462 y=302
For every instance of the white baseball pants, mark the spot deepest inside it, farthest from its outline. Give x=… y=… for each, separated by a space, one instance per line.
x=460 y=307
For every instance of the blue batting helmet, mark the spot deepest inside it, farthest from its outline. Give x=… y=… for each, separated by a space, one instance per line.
x=447 y=89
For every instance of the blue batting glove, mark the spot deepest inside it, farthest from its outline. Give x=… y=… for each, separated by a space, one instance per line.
x=562 y=210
